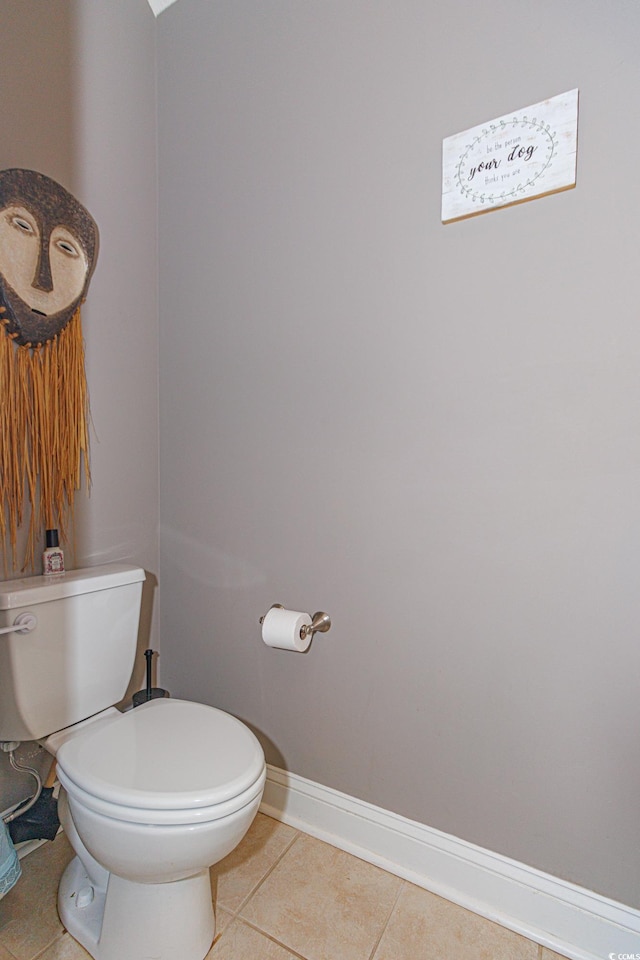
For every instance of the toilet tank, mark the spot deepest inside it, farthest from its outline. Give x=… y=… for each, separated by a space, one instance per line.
x=78 y=659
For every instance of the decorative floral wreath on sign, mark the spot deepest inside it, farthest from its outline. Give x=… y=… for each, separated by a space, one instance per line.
x=48 y=251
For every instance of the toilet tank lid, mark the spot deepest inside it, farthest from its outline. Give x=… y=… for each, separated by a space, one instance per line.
x=32 y=590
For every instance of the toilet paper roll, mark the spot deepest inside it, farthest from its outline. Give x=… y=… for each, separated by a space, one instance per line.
x=281 y=629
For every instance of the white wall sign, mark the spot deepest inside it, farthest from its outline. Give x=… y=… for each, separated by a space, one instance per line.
x=526 y=154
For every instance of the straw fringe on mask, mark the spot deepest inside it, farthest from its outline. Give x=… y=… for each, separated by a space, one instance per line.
x=44 y=424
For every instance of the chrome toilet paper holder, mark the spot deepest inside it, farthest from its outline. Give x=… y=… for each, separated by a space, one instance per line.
x=320 y=622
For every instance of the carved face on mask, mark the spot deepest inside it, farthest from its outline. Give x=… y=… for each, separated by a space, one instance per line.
x=48 y=250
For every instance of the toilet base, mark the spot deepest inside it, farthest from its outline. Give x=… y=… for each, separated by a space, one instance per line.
x=128 y=921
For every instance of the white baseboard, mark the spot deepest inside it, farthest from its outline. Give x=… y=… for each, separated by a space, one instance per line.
x=566 y=918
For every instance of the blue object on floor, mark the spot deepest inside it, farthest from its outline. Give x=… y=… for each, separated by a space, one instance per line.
x=10 y=868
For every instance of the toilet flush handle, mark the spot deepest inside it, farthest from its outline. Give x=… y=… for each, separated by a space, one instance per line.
x=23 y=623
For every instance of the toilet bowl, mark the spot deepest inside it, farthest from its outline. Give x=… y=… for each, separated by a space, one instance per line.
x=150 y=800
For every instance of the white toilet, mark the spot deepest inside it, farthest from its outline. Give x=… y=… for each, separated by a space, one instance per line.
x=150 y=798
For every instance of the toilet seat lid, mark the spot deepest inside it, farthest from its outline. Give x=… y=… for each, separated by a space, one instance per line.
x=165 y=755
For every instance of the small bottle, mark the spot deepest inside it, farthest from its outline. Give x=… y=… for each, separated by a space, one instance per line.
x=53 y=557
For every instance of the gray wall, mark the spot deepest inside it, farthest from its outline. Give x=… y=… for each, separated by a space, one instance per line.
x=431 y=432
x=77 y=102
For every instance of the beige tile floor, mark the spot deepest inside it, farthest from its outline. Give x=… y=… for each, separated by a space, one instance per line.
x=283 y=895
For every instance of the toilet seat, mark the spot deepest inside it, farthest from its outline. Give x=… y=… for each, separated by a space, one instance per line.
x=166 y=818
x=165 y=762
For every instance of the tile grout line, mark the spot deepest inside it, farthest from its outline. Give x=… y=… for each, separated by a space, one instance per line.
x=270 y=937
x=403 y=884
x=49 y=945
x=12 y=955
x=235 y=914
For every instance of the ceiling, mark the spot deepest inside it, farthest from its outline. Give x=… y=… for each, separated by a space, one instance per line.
x=159 y=5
